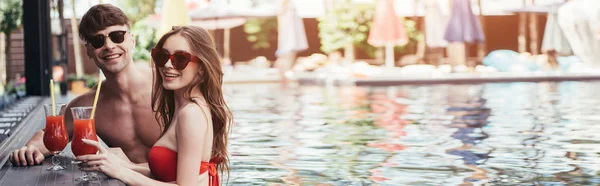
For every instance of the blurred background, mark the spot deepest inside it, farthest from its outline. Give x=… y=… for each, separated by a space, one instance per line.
x=434 y=35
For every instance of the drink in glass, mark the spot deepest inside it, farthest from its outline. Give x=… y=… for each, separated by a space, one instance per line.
x=55 y=133
x=83 y=128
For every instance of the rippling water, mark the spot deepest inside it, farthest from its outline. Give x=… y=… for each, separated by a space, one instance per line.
x=497 y=134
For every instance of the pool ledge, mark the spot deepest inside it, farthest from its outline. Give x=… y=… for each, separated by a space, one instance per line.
x=447 y=78
x=22 y=132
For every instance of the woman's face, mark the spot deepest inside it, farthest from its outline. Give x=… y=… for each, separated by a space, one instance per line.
x=174 y=79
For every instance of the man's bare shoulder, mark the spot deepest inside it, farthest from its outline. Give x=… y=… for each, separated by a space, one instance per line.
x=84 y=99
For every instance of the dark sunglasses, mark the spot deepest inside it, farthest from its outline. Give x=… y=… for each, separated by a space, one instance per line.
x=179 y=59
x=98 y=41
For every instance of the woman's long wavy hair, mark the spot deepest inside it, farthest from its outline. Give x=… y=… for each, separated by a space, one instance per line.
x=209 y=83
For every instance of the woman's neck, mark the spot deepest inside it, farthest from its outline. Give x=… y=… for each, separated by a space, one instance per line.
x=182 y=97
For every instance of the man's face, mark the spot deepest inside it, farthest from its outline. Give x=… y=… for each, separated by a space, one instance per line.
x=111 y=55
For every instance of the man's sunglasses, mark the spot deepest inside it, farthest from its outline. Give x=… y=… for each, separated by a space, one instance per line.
x=179 y=59
x=98 y=41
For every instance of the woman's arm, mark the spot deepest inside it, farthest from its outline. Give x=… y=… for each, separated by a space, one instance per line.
x=189 y=133
x=113 y=166
x=134 y=178
x=142 y=168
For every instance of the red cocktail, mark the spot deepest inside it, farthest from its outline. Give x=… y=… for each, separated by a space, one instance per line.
x=83 y=129
x=55 y=134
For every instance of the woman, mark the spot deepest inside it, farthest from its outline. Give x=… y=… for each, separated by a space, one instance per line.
x=189 y=105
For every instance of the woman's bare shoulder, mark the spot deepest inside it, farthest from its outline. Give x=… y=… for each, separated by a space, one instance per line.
x=191 y=121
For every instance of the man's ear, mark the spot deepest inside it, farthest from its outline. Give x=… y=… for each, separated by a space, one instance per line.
x=133 y=39
x=89 y=50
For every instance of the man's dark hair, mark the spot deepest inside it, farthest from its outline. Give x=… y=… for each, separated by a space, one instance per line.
x=99 y=17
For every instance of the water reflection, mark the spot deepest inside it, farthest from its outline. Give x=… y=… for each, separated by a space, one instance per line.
x=505 y=134
x=467 y=106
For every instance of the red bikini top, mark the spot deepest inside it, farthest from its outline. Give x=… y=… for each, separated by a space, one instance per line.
x=163 y=165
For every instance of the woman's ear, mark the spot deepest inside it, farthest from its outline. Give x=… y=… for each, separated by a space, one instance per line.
x=200 y=71
x=201 y=76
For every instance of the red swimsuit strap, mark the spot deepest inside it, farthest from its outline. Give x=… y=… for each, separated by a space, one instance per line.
x=211 y=167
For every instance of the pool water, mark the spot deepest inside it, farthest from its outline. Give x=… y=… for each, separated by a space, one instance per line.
x=496 y=134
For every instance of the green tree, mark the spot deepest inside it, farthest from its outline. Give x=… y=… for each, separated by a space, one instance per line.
x=260 y=31
x=145 y=39
x=346 y=23
x=11 y=13
x=350 y=23
x=137 y=11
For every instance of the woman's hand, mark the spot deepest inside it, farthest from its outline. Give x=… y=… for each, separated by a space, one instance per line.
x=106 y=162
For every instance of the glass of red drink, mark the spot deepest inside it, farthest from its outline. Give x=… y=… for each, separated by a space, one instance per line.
x=83 y=128
x=55 y=133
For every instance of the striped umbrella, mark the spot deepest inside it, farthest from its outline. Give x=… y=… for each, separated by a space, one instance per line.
x=435 y=23
x=463 y=25
x=578 y=20
x=387 y=30
x=554 y=37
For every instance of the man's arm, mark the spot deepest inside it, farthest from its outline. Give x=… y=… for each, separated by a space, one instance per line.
x=30 y=154
x=38 y=141
x=34 y=152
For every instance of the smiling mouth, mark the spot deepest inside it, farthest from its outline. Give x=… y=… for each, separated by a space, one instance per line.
x=113 y=56
x=171 y=75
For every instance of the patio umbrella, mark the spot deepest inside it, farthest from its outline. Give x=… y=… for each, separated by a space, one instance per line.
x=387 y=30
x=554 y=37
x=220 y=15
x=463 y=25
x=578 y=20
x=540 y=9
x=531 y=11
x=435 y=23
x=217 y=15
x=290 y=29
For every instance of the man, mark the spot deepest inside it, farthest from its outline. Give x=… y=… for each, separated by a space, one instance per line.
x=124 y=116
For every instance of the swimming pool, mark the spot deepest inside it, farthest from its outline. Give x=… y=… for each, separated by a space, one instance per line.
x=500 y=133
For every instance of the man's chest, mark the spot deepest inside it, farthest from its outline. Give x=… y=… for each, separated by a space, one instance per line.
x=127 y=124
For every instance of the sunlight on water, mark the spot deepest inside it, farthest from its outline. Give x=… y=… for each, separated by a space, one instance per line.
x=504 y=134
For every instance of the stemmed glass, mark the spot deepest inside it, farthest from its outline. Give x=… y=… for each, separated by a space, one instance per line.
x=83 y=128
x=55 y=133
